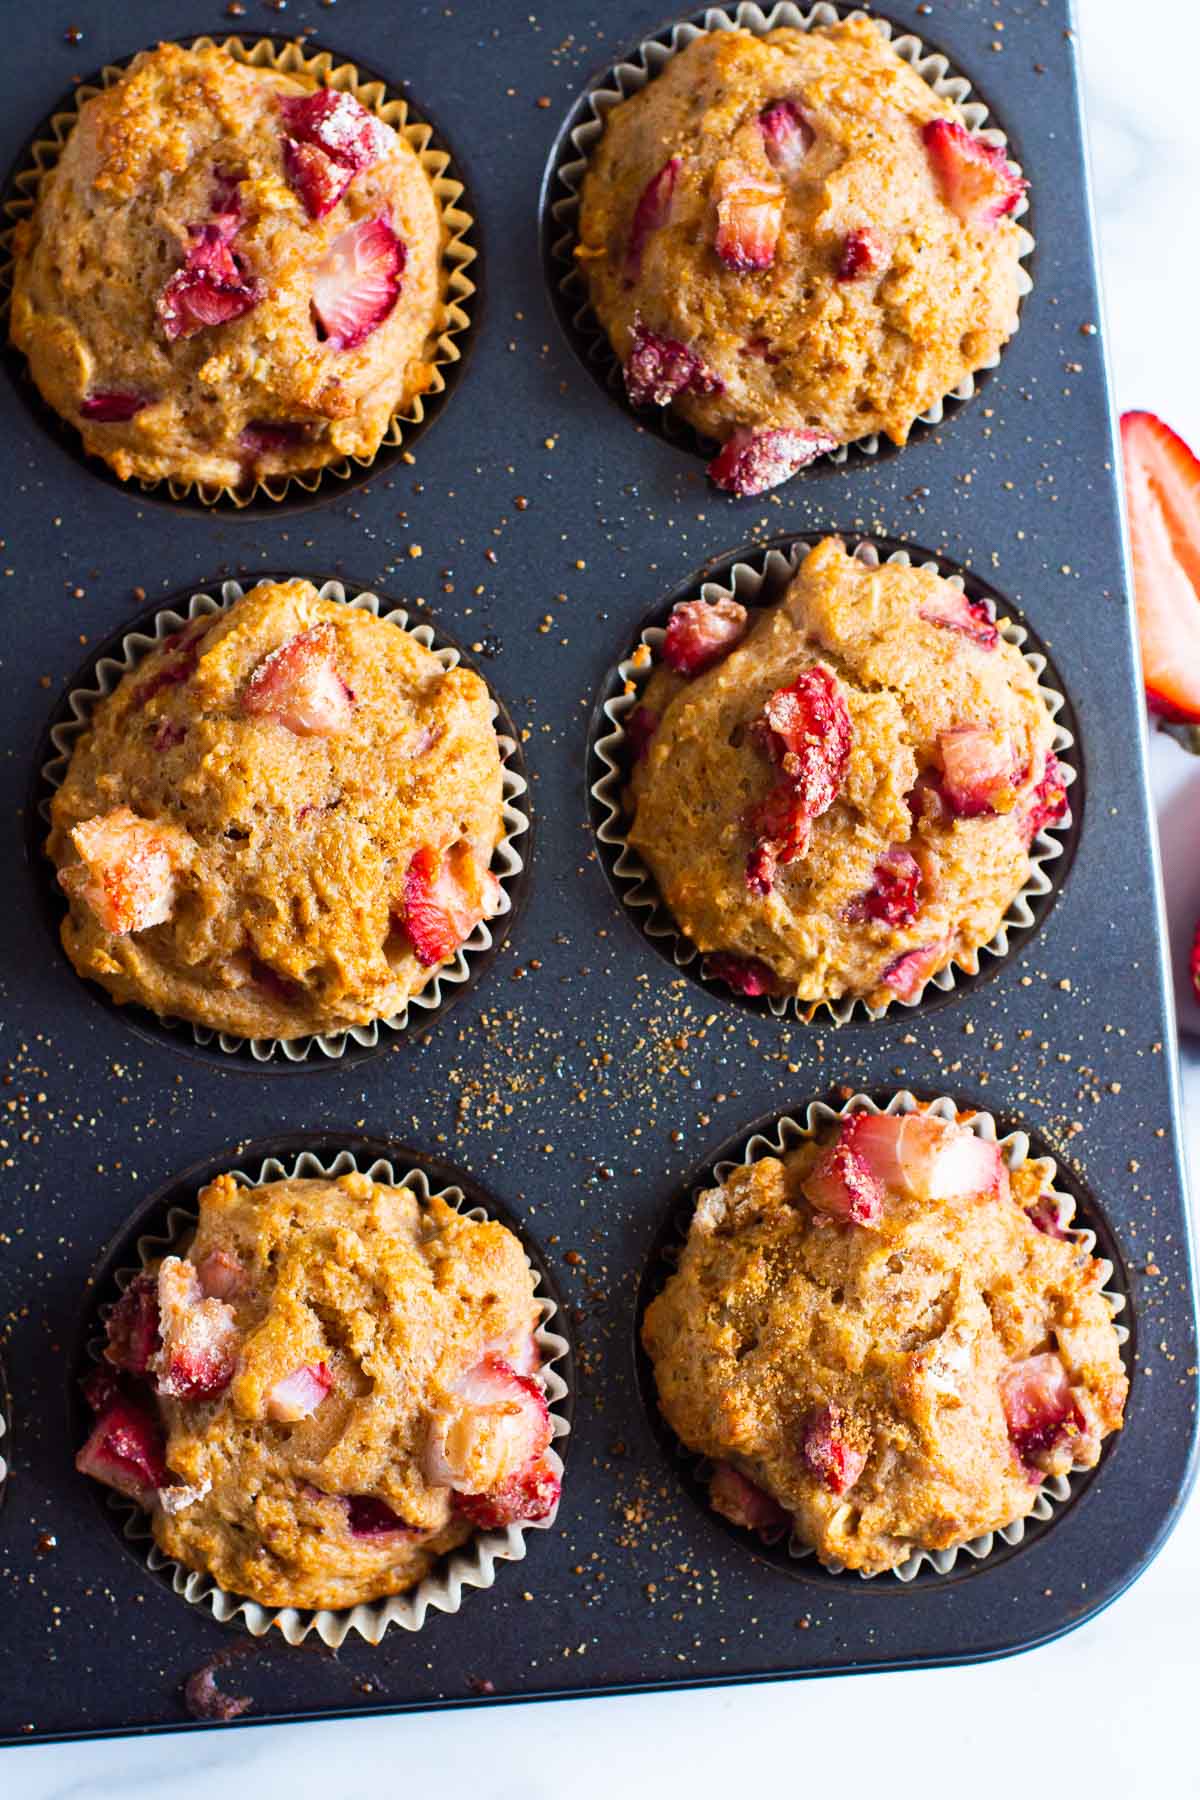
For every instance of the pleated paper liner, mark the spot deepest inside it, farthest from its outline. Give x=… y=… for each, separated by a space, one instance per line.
x=759 y=578
x=581 y=132
x=164 y=1224
x=98 y=678
x=780 y=1134
x=446 y=351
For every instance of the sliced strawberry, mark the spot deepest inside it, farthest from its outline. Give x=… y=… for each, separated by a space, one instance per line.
x=894 y=894
x=524 y=1498
x=907 y=974
x=1043 y=1216
x=827 y=1449
x=315 y=177
x=750 y=462
x=199 y=1336
x=977 y=180
x=368 y=1517
x=1162 y=487
x=212 y=287
x=298 y=1395
x=1194 y=963
x=743 y=1502
x=640 y=727
x=701 y=632
x=331 y=137
x=221 y=1275
x=862 y=254
x=744 y=974
x=126 y=1451
x=357 y=283
x=1048 y=804
x=1040 y=1411
x=979 y=770
x=126 y=870
x=131 y=1328
x=782 y=828
x=446 y=894
x=787 y=135
x=842 y=1185
x=651 y=212
x=953 y=611
x=490 y=1446
x=658 y=368
x=299 y=687
x=112 y=406
x=927 y=1158
x=810 y=727
x=749 y=215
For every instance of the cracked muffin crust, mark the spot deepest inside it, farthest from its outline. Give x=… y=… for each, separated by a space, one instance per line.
x=836 y=794
x=330 y=1388
x=885 y=1341
x=229 y=274
x=281 y=821
x=795 y=242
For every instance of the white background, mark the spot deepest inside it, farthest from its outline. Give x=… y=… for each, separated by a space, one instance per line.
x=1110 y=1709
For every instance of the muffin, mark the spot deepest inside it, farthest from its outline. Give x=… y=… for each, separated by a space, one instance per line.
x=793 y=241
x=281 y=821
x=327 y=1389
x=836 y=795
x=230 y=273
x=884 y=1341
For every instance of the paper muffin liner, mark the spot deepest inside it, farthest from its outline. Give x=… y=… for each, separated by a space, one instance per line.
x=628 y=77
x=507 y=862
x=787 y=1134
x=458 y=252
x=756 y=582
x=472 y=1565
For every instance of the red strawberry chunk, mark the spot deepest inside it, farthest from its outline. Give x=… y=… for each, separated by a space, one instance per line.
x=126 y=870
x=862 y=254
x=842 y=1185
x=749 y=215
x=744 y=974
x=978 y=770
x=299 y=687
x=111 y=406
x=977 y=180
x=221 y=1275
x=1040 y=1411
x=1043 y=1216
x=751 y=462
x=787 y=135
x=658 y=368
x=524 y=1498
x=906 y=975
x=701 y=632
x=1048 y=804
x=357 y=283
x=339 y=124
x=953 y=611
x=268 y=434
x=651 y=212
x=177 y=667
x=927 y=1158
x=743 y=1502
x=810 y=726
x=1194 y=963
x=491 y=1449
x=199 y=1336
x=315 y=177
x=211 y=288
x=132 y=1327
x=640 y=727
x=1162 y=488
x=827 y=1449
x=298 y=1395
x=101 y=1386
x=368 y=1517
x=446 y=894
x=894 y=895
x=782 y=826
x=126 y=1452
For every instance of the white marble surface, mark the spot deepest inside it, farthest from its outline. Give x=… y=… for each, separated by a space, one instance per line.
x=1112 y=1706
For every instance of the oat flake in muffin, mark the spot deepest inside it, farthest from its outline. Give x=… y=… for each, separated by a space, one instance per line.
x=229 y=274
x=884 y=1341
x=836 y=794
x=281 y=821
x=793 y=241
x=333 y=1386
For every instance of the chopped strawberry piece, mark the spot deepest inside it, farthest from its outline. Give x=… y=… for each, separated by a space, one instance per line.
x=212 y=287
x=701 y=632
x=265 y=434
x=651 y=212
x=828 y=1451
x=787 y=135
x=524 y=1498
x=928 y=1158
x=907 y=974
x=842 y=1185
x=199 y=1336
x=751 y=462
x=101 y=1386
x=126 y=870
x=810 y=726
x=926 y=799
x=371 y=1518
x=176 y=668
x=445 y=897
x=894 y=895
x=276 y=986
x=299 y=687
x=132 y=1327
x=1043 y=1216
x=743 y=1502
x=167 y=734
x=1040 y=1410
x=221 y=1275
x=1162 y=487
x=782 y=827
x=977 y=180
x=357 y=283
x=315 y=177
x=298 y=1395
x=744 y=974
x=659 y=367
x=640 y=727
x=862 y=254
x=331 y=138
x=111 y=406
x=749 y=215
x=1194 y=963
x=953 y=611
x=126 y=1452
x=491 y=1448
x=1048 y=803
x=978 y=770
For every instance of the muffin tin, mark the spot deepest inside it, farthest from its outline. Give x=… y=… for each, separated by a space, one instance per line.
x=582 y=1081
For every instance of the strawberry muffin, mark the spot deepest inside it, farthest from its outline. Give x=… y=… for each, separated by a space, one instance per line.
x=794 y=242
x=229 y=274
x=836 y=795
x=281 y=821
x=885 y=1342
x=327 y=1389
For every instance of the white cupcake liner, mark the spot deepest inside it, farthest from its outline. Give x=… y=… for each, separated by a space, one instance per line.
x=506 y=859
x=631 y=75
x=747 y=581
x=787 y=1134
x=472 y=1565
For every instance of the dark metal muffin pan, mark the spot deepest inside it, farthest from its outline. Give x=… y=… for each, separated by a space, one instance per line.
x=581 y=1078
